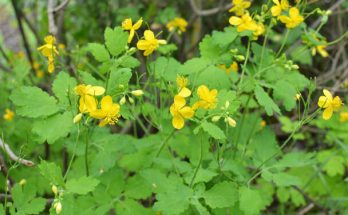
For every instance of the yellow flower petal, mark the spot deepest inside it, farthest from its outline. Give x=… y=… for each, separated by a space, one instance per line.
x=149 y=35
x=95 y=90
x=185 y=92
x=106 y=103
x=178 y=122
x=327 y=113
x=179 y=101
x=138 y=24
x=186 y=112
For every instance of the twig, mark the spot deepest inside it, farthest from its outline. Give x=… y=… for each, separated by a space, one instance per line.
x=52 y=28
x=13 y=156
x=208 y=12
x=61 y=6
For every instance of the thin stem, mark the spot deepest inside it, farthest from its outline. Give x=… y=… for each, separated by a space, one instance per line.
x=284 y=42
x=244 y=65
x=74 y=152
x=164 y=143
x=86 y=152
x=199 y=163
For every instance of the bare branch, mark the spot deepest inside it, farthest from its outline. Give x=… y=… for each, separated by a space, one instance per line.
x=208 y=12
x=13 y=156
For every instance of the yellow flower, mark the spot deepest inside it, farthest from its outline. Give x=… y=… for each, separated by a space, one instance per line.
x=294 y=18
x=233 y=67
x=128 y=25
x=177 y=23
x=9 y=115
x=150 y=43
x=49 y=49
x=244 y=23
x=87 y=101
x=321 y=50
x=109 y=112
x=61 y=46
x=329 y=103
x=259 y=30
x=207 y=97
x=239 y=7
x=263 y=123
x=344 y=116
x=182 y=82
x=36 y=65
x=180 y=112
x=277 y=9
x=19 y=54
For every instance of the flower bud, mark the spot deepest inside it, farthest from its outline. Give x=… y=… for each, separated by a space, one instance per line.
x=123 y=100
x=137 y=92
x=234 y=51
x=295 y=66
x=23 y=182
x=240 y=58
x=121 y=86
x=77 y=118
x=131 y=51
x=55 y=189
x=58 y=208
x=298 y=96
x=263 y=123
x=215 y=118
x=227 y=104
x=231 y=122
x=131 y=100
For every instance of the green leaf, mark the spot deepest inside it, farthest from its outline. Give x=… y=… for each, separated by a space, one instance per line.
x=130 y=62
x=302 y=55
x=213 y=130
x=33 y=102
x=193 y=66
x=225 y=38
x=25 y=201
x=51 y=172
x=167 y=49
x=82 y=186
x=281 y=179
x=21 y=68
x=250 y=201
x=165 y=68
x=53 y=127
x=264 y=100
x=63 y=88
x=118 y=80
x=131 y=207
x=137 y=188
x=115 y=40
x=99 y=52
x=285 y=92
x=332 y=164
x=217 y=79
x=174 y=202
x=221 y=195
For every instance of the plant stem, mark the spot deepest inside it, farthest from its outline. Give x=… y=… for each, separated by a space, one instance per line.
x=86 y=152
x=244 y=65
x=284 y=41
x=74 y=152
x=199 y=163
x=164 y=143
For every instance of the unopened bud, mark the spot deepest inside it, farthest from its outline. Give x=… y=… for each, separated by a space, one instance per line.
x=55 y=189
x=137 y=92
x=240 y=58
x=234 y=51
x=131 y=100
x=121 y=86
x=231 y=122
x=295 y=66
x=77 y=118
x=215 y=118
x=298 y=96
x=23 y=182
x=227 y=104
x=131 y=51
x=58 y=208
x=123 y=100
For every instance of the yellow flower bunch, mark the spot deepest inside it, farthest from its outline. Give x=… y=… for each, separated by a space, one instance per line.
x=108 y=112
x=279 y=7
x=180 y=112
x=149 y=43
x=246 y=23
x=8 y=115
x=38 y=72
x=239 y=7
x=177 y=23
x=128 y=25
x=329 y=103
x=49 y=50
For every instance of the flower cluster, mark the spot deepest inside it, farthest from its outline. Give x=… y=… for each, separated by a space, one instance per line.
x=243 y=20
x=329 y=103
x=149 y=44
x=180 y=111
x=8 y=115
x=177 y=23
x=49 y=50
x=293 y=19
x=108 y=112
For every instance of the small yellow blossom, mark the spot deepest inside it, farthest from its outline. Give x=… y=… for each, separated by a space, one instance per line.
x=239 y=7
x=149 y=43
x=19 y=54
x=49 y=50
x=128 y=25
x=294 y=18
x=39 y=73
x=9 y=115
x=207 y=97
x=259 y=30
x=277 y=9
x=321 y=50
x=298 y=96
x=36 y=65
x=263 y=123
x=87 y=101
x=61 y=46
x=344 y=116
x=232 y=68
x=177 y=23
x=244 y=23
x=182 y=83
x=180 y=112
x=329 y=103
x=108 y=113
